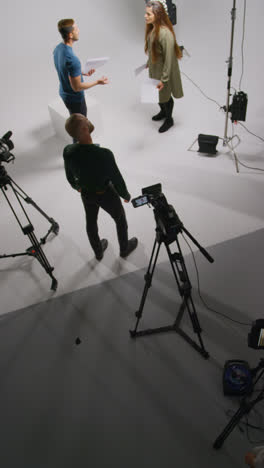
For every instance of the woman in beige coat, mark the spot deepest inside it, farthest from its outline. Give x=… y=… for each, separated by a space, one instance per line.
x=163 y=54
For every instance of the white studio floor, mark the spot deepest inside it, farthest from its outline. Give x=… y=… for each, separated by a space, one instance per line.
x=215 y=203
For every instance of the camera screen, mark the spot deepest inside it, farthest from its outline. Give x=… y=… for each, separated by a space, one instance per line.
x=261 y=338
x=140 y=201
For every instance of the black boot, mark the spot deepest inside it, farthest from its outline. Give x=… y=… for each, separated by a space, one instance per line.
x=104 y=245
x=131 y=245
x=161 y=115
x=168 y=106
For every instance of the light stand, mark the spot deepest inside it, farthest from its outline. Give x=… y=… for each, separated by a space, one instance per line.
x=227 y=108
x=229 y=71
x=229 y=76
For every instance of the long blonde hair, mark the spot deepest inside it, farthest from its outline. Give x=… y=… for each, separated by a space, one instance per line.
x=161 y=19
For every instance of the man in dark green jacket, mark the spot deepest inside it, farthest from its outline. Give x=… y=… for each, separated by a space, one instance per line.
x=92 y=170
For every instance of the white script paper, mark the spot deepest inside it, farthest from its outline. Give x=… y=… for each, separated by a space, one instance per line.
x=149 y=91
x=95 y=63
x=140 y=69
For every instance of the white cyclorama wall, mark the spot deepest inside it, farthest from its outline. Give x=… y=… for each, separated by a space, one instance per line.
x=29 y=80
x=116 y=29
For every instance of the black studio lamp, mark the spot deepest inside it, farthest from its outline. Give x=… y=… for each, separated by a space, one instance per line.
x=207 y=144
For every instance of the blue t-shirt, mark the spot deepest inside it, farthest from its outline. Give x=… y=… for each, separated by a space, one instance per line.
x=67 y=64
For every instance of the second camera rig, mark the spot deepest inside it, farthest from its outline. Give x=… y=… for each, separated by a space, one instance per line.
x=168 y=226
x=35 y=249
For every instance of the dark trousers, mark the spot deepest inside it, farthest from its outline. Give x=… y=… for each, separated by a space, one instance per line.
x=111 y=203
x=76 y=108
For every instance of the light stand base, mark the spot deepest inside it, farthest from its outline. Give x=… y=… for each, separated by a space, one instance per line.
x=226 y=142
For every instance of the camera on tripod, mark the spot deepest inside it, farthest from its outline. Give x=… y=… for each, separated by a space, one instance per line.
x=168 y=226
x=5 y=146
x=6 y=182
x=167 y=220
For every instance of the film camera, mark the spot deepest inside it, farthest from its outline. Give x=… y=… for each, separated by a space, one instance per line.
x=166 y=218
x=6 y=182
x=5 y=146
x=5 y=156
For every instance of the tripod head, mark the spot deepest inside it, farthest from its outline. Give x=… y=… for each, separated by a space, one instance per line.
x=168 y=223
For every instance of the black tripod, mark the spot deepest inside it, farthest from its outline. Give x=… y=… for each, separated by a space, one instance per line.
x=245 y=406
x=184 y=286
x=35 y=249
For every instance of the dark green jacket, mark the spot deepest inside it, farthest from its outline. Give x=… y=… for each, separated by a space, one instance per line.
x=91 y=168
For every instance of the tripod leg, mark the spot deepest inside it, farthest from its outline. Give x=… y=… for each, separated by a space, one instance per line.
x=37 y=251
x=21 y=193
x=184 y=286
x=181 y=275
x=188 y=303
x=245 y=408
x=148 y=280
x=229 y=428
x=242 y=411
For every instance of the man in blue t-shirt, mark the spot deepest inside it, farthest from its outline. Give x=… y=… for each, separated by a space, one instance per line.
x=69 y=69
